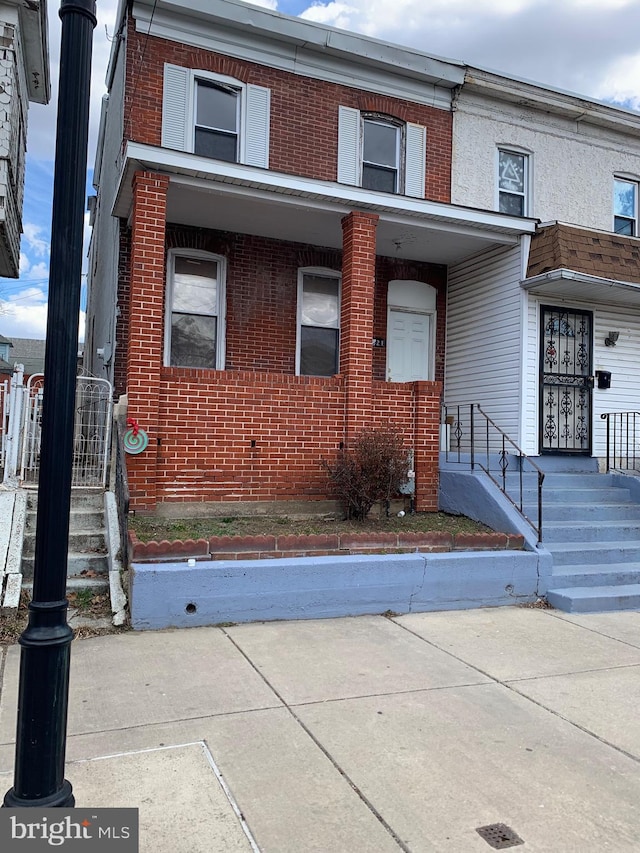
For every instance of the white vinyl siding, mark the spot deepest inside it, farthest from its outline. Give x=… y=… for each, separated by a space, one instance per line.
x=484 y=336
x=177 y=115
x=622 y=361
x=350 y=153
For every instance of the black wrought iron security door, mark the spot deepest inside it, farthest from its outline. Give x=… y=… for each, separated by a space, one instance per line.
x=565 y=381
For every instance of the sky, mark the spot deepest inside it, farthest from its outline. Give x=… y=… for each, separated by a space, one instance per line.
x=590 y=47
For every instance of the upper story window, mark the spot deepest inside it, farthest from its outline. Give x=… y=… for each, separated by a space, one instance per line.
x=625 y=207
x=215 y=116
x=379 y=153
x=381 y=147
x=194 y=324
x=318 y=322
x=513 y=182
x=217 y=121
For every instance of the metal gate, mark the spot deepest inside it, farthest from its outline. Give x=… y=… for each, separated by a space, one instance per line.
x=22 y=430
x=565 y=381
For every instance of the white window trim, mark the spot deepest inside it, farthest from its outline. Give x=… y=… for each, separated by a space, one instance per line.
x=179 y=113
x=628 y=179
x=241 y=107
x=327 y=273
x=413 y=154
x=400 y=128
x=221 y=306
x=528 y=176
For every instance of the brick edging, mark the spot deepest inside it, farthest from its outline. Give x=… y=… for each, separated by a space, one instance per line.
x=320 y=544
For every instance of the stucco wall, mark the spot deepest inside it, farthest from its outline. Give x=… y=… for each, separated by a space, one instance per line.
x=572 y=168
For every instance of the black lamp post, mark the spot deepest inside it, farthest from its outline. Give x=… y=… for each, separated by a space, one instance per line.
x=45 y=654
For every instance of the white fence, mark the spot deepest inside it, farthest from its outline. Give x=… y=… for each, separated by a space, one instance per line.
x=22 y=429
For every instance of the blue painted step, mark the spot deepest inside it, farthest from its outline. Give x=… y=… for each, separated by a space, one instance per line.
x=596 y=599
x=591 y=527
x=597 y=574
x=587 y=513
x=618 y=531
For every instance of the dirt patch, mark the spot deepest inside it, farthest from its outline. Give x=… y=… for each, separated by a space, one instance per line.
x=150 y=528
x=94 y=608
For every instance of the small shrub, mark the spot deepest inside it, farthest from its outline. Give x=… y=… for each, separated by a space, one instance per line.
x=372 y=469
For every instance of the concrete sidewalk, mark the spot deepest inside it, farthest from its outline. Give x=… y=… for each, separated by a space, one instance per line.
x=360 y=734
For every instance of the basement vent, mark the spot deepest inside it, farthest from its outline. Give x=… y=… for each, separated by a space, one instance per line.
x=499 y=836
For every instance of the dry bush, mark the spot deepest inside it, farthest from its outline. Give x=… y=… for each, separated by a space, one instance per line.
x=372 y=468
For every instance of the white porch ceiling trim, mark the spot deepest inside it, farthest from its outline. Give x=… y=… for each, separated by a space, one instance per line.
x=235 y=179
x=564 y=283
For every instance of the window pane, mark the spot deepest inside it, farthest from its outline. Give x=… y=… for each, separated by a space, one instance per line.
x=511 y=172
x=623 y=226
x=195 y=286
x=320 y=301
x=624 y=199
x=193 y=341
x=216 y=107
x=375 y=178
x=218 y=146
x=318 y=351
x=380 y=144
x=512 y=204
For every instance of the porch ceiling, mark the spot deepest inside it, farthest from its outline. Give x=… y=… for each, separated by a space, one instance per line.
x=579 y=287
x=229 y=197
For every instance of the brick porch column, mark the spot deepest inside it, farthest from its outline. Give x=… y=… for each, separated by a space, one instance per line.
x=356 y=317
x=146 y=328
x=427 y=445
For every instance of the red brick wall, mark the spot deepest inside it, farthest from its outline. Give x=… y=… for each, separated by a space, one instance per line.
x=255 y=431
x=304 y=111
x=146 y=322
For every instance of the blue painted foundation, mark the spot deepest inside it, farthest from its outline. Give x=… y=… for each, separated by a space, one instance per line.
x=175 y=595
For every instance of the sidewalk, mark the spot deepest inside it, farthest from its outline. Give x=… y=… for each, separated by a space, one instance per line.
x=360 y=734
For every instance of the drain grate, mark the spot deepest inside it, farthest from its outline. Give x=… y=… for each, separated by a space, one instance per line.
x=499 y=836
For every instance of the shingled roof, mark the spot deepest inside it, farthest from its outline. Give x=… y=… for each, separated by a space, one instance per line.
x=596 y=253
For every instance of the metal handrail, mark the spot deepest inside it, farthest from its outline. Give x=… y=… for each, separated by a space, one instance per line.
x=501 y=445
x=623 y=440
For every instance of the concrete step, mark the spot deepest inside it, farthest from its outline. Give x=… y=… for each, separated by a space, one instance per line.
x=96 y=584
x=586 y=599
x=563 y=481
x=79 y=519
x=598 y=574
x=574 y=554
x=586 y=513
x=88 y=499
x=89 y=541
x=573 y=496
x=580 y=531
x=95 y=564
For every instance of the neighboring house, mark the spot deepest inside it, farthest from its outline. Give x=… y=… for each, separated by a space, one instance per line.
x=29 y=352
x=272 y=236
x=529 y=332
x=24 y=77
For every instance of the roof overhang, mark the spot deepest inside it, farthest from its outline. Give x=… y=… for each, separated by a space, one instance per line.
x=244 y=199
x=580 y=287
x=34 y=30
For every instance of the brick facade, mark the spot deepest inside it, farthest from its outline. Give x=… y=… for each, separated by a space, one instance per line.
x=255 y=431
x=304 y=111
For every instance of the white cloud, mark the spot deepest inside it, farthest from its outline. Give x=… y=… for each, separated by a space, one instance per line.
x=585 y=46
x=35 y=243
x=24 y=314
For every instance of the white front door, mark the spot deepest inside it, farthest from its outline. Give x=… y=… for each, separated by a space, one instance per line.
x=408 y=346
